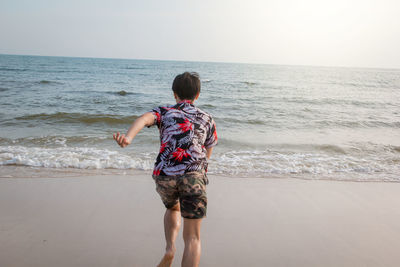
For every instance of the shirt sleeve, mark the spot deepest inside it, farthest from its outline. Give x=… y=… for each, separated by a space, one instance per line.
x=212 y=138
x=157 y=116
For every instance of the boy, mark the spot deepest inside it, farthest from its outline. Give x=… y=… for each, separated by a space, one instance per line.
x=187 y=136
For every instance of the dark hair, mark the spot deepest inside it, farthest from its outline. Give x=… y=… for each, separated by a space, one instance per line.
x=186 y=85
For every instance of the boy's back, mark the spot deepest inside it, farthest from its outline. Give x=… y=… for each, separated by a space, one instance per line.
x=186 y=132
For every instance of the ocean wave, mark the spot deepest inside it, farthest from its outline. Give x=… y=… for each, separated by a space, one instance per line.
x=249 y=83
x=206 y=106
x=329 y=149
x=72 y=157
x=300 y=121
x=134 y=68
x=264 y=163
x=248 y=163
x=91 y=92
x=225 y=144
x=240 y=121
x=52 y=141
x=333 y=101
x=123 y=93
x=355 y=124
x=62 y=117
x=364 y=84
x=46 y=82
x=12 y=69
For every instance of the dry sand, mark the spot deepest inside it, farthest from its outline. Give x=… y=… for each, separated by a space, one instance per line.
x=117 y=221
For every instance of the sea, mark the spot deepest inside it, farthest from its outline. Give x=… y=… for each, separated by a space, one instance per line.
x=58 y=114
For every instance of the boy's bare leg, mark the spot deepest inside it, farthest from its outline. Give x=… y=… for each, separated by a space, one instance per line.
x=191 y=236
x=172 y=223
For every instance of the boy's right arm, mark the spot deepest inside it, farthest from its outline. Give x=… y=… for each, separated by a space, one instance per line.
x=147 y=119
x=209 y=152
x=211 y=139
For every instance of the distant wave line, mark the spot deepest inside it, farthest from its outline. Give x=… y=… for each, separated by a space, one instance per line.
x=46 y=82
x=63 y=117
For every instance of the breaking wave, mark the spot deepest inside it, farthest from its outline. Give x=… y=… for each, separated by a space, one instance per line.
x=328 y=161
x=71 y=157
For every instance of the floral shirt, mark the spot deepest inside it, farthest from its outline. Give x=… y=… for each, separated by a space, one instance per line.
x=185 y=134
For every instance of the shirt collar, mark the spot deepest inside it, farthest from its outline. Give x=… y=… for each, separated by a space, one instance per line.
x=184 y=104
x=186 y=101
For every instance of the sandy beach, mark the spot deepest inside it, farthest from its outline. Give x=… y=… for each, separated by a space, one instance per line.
x=106 y=220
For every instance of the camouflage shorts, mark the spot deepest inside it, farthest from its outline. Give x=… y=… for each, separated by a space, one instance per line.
x=189 y=189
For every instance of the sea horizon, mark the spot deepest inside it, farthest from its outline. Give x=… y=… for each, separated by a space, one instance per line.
x=216 y=62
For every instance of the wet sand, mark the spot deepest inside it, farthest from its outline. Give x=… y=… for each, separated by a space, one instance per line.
x=116 y=220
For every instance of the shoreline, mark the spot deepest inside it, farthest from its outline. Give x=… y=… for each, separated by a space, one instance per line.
x=17 y=171
x=116 y=220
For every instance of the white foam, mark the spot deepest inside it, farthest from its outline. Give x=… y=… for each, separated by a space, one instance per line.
x=72 y=157
x=257 y=163
x=268 y=162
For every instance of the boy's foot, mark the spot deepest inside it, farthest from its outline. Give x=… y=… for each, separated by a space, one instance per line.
x=166 y=261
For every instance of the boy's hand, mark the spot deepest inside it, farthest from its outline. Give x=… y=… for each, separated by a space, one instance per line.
x=147 y=119
x=122 y=140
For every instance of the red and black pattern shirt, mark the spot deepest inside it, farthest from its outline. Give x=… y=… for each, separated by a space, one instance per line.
x=185 y=134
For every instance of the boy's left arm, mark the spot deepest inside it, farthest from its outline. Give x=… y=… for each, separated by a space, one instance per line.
x=147 y=119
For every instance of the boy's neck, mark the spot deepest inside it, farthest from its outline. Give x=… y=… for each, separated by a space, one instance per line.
x=188 y=101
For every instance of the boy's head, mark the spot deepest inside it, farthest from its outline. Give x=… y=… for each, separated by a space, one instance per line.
x=186 y=86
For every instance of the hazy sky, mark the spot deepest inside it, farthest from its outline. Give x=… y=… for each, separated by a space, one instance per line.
x=363 y=33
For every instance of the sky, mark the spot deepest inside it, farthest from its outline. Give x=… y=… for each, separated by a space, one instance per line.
x=350 y=33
